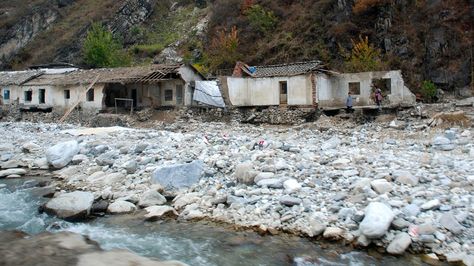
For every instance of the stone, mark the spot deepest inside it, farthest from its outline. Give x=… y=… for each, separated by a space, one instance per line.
x=411 y=210
x=442 y=143
x=270 y=183
x=106 y=159
x=405 y=177
x=399 y=244
x=71 y=206
x=244 y=173
x=334 y=233
x=381 y=186
x=448 y=221
x=30 y=147
x=330 y=144
x=121 y=207
x=265 y=175
x=158 y=212
x=140 y=147
x=316 y=227
x=183 y=200
x=79 y=158
x=290 y=201
x=377 y=220
x=62 y=153
x=99 y=207
x=291 y=185
x=130 y=166
x=10 y=164
x=150 y=198
x=178 y=176
x=430 y=205
x=400 y=224
x=13 y=171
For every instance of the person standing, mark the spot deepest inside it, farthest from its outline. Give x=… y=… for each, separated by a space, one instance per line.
x=378 y=98
x=349 y=101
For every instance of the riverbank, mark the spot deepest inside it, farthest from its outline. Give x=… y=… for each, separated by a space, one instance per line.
x=315 y=180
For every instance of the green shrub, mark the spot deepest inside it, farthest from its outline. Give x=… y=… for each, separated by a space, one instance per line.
x=428 y=90
x=260 y=19
x=101 y=49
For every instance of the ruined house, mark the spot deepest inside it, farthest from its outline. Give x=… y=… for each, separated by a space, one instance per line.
x=151 y=86
x=11 y=82
x=311 y=84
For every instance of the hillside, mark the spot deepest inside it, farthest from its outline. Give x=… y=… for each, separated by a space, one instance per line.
x=427 y=39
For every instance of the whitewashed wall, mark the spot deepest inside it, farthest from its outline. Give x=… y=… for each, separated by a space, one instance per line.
x=266 y=91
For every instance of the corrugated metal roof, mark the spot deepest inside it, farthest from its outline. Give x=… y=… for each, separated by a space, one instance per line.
x=18 y=77
x=291 y=69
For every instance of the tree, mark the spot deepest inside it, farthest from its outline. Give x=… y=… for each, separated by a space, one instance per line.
x=223 y=49
x=363 y=57
x=260 y=19
x=101 y=49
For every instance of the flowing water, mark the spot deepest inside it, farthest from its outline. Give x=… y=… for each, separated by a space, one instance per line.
x=192 y=243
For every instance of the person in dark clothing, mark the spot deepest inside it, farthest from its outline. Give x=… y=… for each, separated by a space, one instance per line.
x=378 y=98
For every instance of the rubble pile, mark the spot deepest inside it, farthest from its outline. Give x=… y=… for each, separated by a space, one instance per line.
x=375 y=184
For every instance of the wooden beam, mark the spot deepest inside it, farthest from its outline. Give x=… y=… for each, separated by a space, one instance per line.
x=79 y=100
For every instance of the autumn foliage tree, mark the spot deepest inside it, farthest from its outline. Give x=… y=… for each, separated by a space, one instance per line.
x=223 y=49
x=246 y=4
x=363 y=57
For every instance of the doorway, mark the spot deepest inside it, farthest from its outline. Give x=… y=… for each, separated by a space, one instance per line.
x=283 y=92
x=134 y=98
x=42 y=96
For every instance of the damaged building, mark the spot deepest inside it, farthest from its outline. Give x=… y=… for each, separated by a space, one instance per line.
x=153 y=86
x=311 y=84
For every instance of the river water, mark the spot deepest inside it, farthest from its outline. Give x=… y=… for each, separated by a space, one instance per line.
x=191 y=243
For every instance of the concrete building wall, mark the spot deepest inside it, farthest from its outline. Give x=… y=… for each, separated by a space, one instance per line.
x=55 y=95
x=333 y=90
x=266 y=91
x=189 y=75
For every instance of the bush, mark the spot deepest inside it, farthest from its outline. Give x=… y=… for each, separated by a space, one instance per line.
x=428 y=90
x=223 y=50
x=101 y=49
x=260 y=19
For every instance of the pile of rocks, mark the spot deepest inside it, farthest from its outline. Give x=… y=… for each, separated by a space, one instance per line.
x=372 y=184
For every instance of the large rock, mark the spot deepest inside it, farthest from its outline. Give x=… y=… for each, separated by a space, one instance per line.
x=71 y=206
x=381 y=186
x=62 y=153
x=158 y=212
x=178 y=176
x=151 y=198
x=290 y=201
x=448 y=221
x=121 y=206
x=244 y=173
x=405 y=177
x=65 y=248
x=291 y=185
x=377 y=220
x=399 y=244
x=14 y=171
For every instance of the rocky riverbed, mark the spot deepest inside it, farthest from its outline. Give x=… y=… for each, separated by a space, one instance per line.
x=394 y=185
